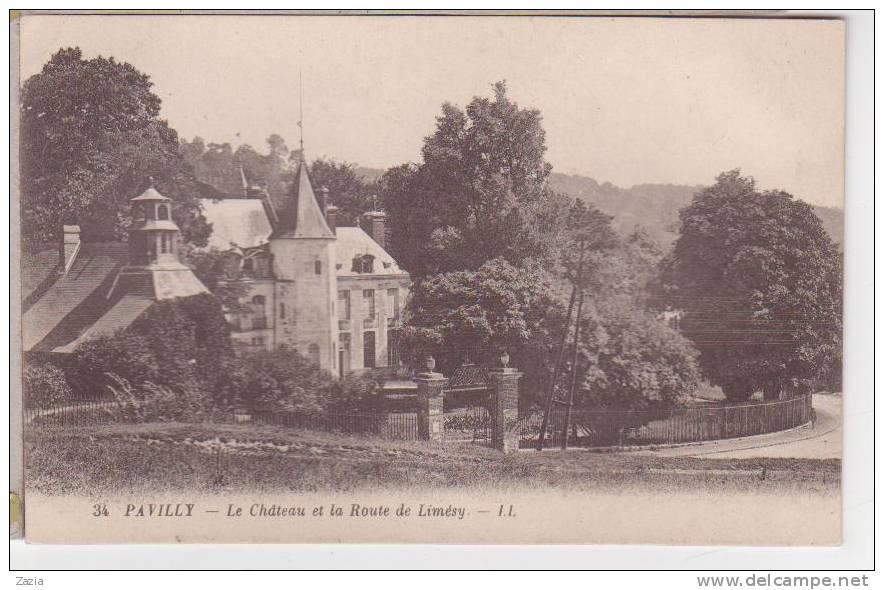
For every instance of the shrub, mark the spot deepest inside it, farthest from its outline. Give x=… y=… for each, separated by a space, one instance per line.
x=180 y=343
x=149 y=402
x=631 y=361
x=275 y=380
x=45 y=386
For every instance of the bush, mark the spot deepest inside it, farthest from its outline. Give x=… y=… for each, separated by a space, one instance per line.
x=149 y=402
x=45 y=386
x=283 y=380
x=180 y=343
x=631 y=361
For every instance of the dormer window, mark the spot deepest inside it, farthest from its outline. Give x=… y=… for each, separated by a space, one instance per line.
x=363 y=264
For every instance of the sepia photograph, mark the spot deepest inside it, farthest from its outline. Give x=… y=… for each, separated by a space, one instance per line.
x=486 y=279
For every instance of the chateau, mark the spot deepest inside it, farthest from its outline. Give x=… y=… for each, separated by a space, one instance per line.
x=332 y=293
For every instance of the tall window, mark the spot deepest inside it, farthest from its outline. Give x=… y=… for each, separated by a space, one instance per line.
x=317 y=267
x=313 y=353
x=393 y=303
x=164 y=243
x=393 y=348
x=368 y=350
x=282 y=309
x=344 y=304
x=368 y=302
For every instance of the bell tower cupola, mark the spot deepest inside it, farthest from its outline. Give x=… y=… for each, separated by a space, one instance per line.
x=153 y=237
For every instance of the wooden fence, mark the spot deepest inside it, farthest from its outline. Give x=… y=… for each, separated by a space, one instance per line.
x=680 y=425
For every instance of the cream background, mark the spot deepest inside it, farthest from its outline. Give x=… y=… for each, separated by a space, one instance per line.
x=546 y=516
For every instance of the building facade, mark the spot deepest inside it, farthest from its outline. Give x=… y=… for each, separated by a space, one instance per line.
x=332 y=293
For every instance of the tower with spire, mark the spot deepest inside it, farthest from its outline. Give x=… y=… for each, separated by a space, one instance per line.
x=303 y=249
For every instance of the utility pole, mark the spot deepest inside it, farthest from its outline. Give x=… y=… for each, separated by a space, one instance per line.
x=551 y=388
x=567 y=426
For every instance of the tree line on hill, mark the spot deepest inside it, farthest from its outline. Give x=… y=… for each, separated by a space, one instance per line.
x=489 y=241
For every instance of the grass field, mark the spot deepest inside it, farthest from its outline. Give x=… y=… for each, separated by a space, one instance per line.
x=246 y=458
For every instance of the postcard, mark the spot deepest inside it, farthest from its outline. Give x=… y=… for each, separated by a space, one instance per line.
x=464 y=278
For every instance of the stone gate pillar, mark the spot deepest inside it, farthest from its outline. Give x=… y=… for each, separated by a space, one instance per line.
x=429 y=405
x=504 y=408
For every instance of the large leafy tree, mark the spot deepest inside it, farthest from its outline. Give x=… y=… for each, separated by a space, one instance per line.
x=626 y=358
x=480 y=192
x=759 y=281
x=91 y=135
x=474 y=315
x=347 y=190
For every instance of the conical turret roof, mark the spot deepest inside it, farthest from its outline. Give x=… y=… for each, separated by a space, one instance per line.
x=302 y=217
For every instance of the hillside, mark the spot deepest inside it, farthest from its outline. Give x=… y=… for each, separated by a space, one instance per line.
x=652 y=206
x=656 y=206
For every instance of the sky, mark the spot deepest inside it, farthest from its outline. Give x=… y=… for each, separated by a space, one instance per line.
x=624 y=100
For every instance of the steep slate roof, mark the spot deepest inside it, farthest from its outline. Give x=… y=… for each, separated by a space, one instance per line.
x=121 y=314
x=76 y=300
x=98 y=295
x=240 y=223
x=300 y=216
x=38 y=270
x=353 y=242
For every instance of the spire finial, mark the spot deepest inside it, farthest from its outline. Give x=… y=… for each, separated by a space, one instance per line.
x=150 y=182
x=301 y=111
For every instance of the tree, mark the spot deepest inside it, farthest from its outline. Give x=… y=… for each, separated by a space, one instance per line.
x=347 y=190
x=759 y=281
x=90 y=138
x=210 y=266
x=480 y=192
x=628 y=360
x=475 y=315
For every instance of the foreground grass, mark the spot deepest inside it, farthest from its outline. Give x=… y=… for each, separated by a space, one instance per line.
x=247 y=458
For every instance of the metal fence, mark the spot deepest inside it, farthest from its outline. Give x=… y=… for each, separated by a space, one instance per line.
x=391 y=426
x=588 y=428
x=472 y=424
x=76 y=413
x=680 y=425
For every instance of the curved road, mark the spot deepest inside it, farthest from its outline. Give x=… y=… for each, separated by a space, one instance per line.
x=821 y=441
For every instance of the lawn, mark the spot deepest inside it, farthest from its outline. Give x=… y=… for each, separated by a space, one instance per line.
x=239 y=458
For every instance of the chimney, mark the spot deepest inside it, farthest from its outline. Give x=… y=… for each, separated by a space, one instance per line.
x=70 y=245
x=374 y=224
x=331 y=217
x=322 y=197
